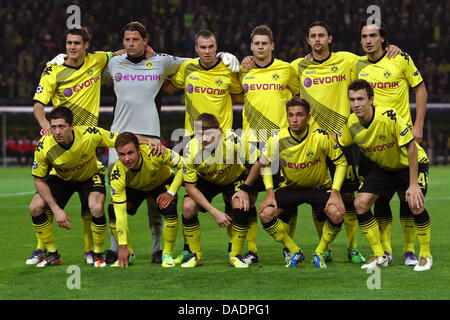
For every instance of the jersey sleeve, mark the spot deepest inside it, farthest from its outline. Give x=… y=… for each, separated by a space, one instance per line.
x=119 y=198
x=173 y=64
x=102 y=137
x=402 y=132
x=235 y=85
x=103 y=57
x=410 y=71
x=293 y=82
x=189 y=168
x=335 y=154
x=41 y=165
x=178 y=79
x=46 y=87
x=175 y=161
x=344 y=137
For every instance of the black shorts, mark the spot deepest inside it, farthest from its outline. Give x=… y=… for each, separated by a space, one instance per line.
x=351 y=182
x=386 y=183
x=290 y=198
x=210 y=190
x=63 y=190
x=135 y=198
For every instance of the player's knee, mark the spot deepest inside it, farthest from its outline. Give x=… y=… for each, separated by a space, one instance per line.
x=361 y=205
x=96 y=210
x=267 y=214
x=190 y=208
x=334 y=215
x=36 y=207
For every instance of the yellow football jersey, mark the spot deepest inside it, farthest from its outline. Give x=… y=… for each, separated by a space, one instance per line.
x=324 y=85
x=151 y=172
x=207 y=91
x=266 y=91
x=221 y=166
x=79 y=161
x=303 y=161
x=75 y=88
x=391 y=80
x=383 y=140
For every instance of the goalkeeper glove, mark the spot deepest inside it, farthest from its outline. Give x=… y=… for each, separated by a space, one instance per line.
x=58 y=60
x=229 y=60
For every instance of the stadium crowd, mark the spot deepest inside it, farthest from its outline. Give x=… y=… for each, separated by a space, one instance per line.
x=422 y=29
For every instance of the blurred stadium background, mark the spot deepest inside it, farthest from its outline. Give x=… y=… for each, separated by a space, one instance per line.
x=32 y=32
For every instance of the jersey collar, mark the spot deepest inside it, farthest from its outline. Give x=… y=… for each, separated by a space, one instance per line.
x=371 y=120
x=267 y=65
x=212 y=67
x=382 y=56
x=136 y=59
x=322 y=61
x=302 y=139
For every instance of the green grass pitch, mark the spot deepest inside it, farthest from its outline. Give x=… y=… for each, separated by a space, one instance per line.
x=216 y=280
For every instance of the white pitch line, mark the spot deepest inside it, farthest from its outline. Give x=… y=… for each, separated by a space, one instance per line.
x=17 y=194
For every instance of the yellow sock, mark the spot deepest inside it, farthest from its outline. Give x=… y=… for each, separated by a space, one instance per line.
x=408 y=227
x=351 y=226
x=98 y=227
x=423 y=228
x=86 y=219
x=385 y=226
x=329 y=233
x=170 y=230
x=369 y=228
x=318 y=224
x=43 y=228
x=192 y=232
x=252 y=230
x=277 y=231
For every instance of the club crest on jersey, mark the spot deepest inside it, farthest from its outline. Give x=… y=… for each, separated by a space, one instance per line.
x=276 y=76
x=219 y=81
x=334 y=68
x=149 y=64
x=387 y=74
x=310 y=154
x=89 y=71
x=382 y=137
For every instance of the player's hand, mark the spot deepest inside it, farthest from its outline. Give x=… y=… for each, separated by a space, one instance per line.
x=156 y=147
x=222 y=219
x=229 y=60
x=58 y=60
x=242 y=198
x=415 y=197
x=248 y=62
x=269 y=201
x=45 y=130
x=392 y=51
x=164 y=199
x=123 y=255
x=417 y=134
x=149 y=52
x=62 y=219
x=336 y=201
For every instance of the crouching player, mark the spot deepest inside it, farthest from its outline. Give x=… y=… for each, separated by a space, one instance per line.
x=213 y=164
x=301 y=155
x=137 y=175
x=70 y=153
x=399 y=165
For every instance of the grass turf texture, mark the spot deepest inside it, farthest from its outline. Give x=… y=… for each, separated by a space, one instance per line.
x=216 y=280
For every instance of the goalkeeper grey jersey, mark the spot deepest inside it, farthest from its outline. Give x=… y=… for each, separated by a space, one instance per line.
x=136 y=86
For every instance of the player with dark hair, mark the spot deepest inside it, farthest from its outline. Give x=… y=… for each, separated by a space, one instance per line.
x=391 y=80
x=399 y=165
x=301 y=155
x=137 y=175
x=70 y=153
